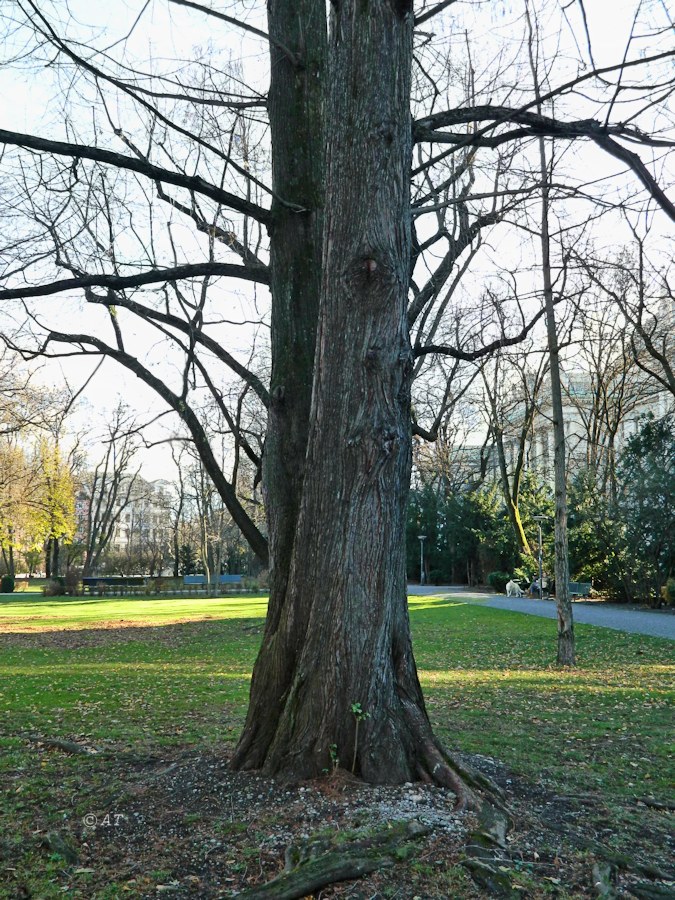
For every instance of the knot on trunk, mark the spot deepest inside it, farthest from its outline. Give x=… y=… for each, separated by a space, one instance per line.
x=372 y=358
x=402 y=8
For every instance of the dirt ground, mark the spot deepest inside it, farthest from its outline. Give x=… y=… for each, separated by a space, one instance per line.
x=186 y=826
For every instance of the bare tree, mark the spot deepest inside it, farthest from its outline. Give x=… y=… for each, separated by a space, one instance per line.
x=108 y=489
x=604 y=387
x=512 y=388
x=642 y=293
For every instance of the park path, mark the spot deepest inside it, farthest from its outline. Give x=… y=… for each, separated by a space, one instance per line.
x=655 y=622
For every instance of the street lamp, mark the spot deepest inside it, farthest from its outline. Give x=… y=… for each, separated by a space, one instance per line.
x=422 y=538
x=539 y=520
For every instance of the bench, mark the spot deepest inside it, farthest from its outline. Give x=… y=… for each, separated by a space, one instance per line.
x=201 y=579
x=579 y=588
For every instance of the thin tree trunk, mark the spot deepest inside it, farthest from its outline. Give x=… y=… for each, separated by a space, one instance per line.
x=562 y=573
x=566 y=655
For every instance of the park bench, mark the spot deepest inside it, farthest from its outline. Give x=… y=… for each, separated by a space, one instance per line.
x=201 y=579
x=579 y=588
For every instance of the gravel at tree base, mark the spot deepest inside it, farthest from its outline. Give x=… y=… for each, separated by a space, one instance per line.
x=185 y=826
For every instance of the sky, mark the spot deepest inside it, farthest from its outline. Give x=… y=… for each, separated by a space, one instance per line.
x=163 y=31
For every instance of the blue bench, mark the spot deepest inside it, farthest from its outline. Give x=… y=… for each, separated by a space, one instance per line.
x=223 y=579
x=580 y=588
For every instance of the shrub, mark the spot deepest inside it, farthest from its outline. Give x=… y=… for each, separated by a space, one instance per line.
x=497 y=580
x=669 y=592
x=263 y=579
x=249 y=583
x=72 y=583
x=55 y=587
x=6 y=584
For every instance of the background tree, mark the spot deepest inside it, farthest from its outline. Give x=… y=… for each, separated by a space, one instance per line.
x=641 y=291
x=512 y=387
x=108 y=489
x=14 y=485
x=604 y=387
x=54 y=502
x=646 y=490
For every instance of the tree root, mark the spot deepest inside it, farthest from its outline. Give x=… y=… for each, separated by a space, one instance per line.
x=656 y=804
x=486 y=876
x=471 y=788
x=604 y=881
x=58 y=843
x=622 y=860
x=90 y=750
x=314 y=865
x=646 y=891
x=475 y=792
x=66 y=746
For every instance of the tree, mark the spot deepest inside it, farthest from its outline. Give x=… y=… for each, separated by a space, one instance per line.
x=54 y=502
x=14 y=480
x=623 y=540
x=646 y=490
x=597 y=548
x=512 y=394
x=341 y=258
x=108 y=489
x=468 y=533
x=605 y=389
x=642 y=292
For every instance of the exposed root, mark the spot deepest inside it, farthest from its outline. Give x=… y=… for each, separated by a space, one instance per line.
x=473 y=790
x=66 y=746
x=316 y=864
x=656 y=804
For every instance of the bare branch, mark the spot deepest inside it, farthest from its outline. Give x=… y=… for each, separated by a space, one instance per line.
x=120 y=282
x=486 y=349
x=187 y=328
x=120 y=161
x=425 y=16
x=256 y=540
x=245 y=27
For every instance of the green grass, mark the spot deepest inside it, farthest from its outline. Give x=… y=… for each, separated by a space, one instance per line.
x=164 y=687
x=488 y=676
x=78 y=612
x=492 y=688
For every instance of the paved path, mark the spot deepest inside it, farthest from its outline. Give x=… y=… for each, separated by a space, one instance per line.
x=658 y=623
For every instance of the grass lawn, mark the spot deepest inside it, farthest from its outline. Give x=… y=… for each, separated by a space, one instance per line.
x=156 y=677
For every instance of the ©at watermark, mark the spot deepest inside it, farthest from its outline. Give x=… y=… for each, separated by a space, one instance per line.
x=108 y=820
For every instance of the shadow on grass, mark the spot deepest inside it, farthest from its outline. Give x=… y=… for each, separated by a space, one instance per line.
x=168 y=634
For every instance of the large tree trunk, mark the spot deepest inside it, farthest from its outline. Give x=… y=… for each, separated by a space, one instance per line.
x=296 y=111
x=340 y=635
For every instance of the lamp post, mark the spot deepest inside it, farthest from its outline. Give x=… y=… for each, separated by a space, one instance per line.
x=539 y=520
x=422 y=538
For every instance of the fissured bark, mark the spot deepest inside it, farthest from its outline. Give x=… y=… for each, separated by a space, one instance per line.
x=336 y=673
